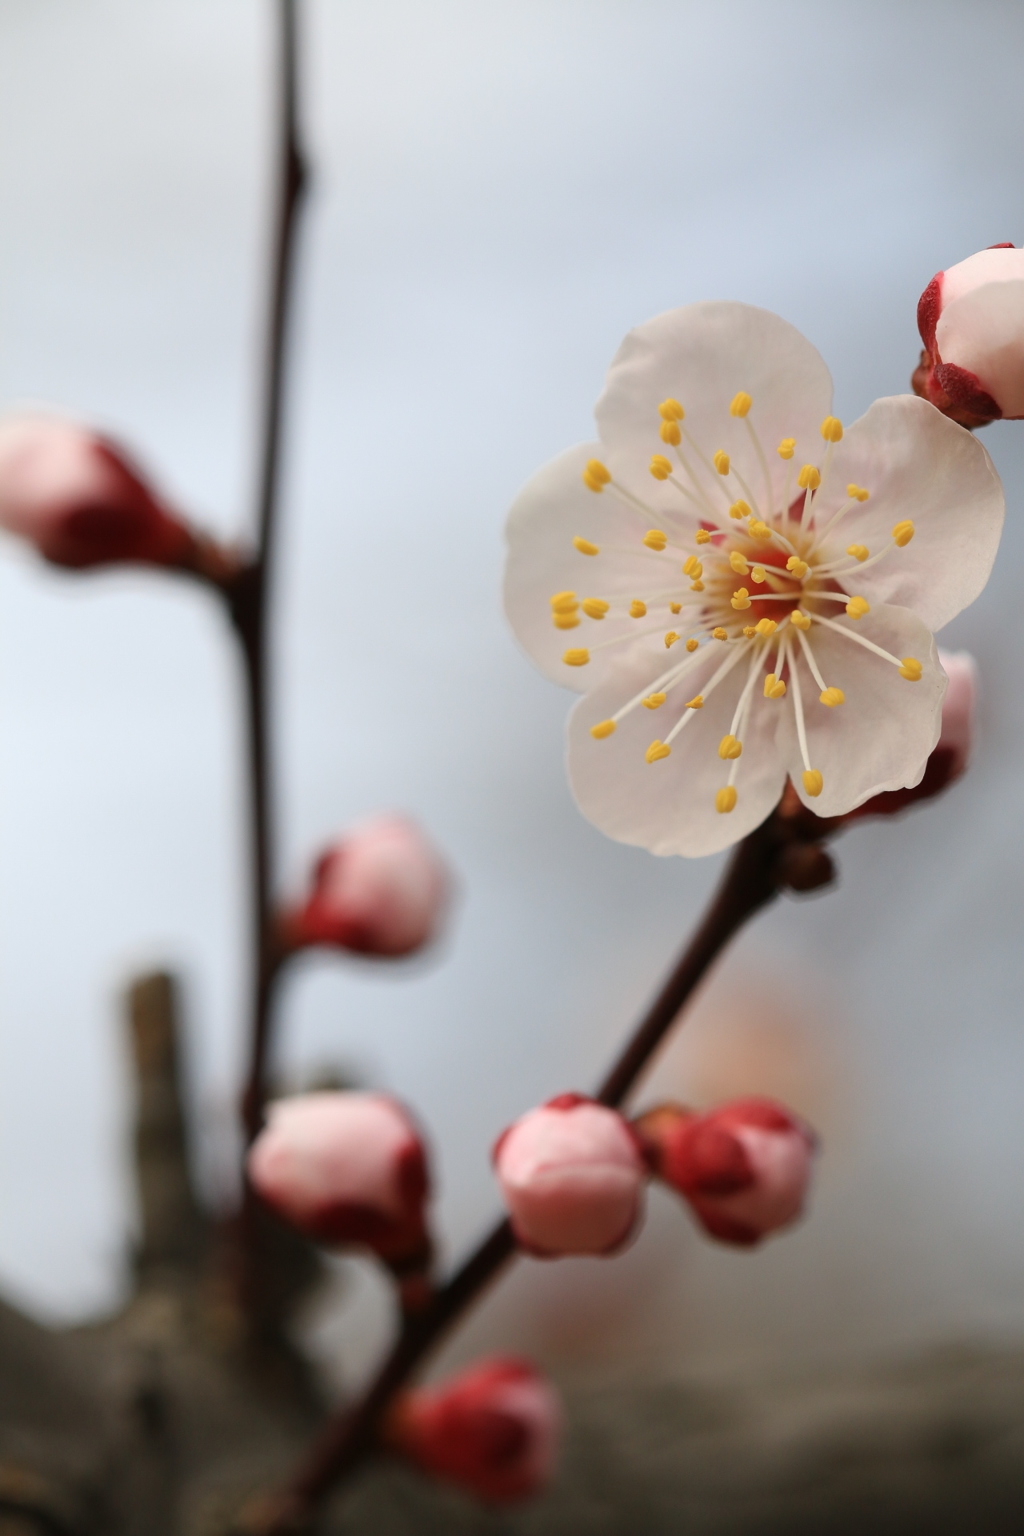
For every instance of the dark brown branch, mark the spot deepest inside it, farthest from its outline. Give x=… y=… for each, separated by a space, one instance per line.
x=249 y=592
x=754 y=876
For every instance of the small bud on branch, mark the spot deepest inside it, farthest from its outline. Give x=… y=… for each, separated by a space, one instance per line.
x=346 y=1168
x=382 y=889
x=493 y=1430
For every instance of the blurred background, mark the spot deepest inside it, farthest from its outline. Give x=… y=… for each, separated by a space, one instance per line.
x=501 y=190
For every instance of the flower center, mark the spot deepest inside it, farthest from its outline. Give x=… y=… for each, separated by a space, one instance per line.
x=751 y=571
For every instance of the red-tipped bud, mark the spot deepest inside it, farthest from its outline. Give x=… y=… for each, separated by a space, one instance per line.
x=79 y=501
x=971 y=319
x=494 y=1430
x=572 y=1175
x=381 y=889
x=951 y=754
x=744 y=1168
x=346 y=1168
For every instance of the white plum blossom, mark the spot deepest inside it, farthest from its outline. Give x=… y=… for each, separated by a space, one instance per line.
x=742 y=590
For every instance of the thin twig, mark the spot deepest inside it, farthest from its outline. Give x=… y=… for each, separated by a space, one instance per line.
x=750 y=882
x=249 y=592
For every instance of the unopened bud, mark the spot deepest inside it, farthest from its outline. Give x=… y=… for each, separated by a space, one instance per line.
x=79 y=500
x=346 y=1169
x=971 y=319
x=493 y=1430
x=743 y=1168
x=572 y=1176
x=382 y=889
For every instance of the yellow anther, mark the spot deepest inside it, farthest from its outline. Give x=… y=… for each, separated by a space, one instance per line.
x=702 y=536
x=759 y=530
x=656 y=751
x=813 y=782
x=585 y=547
x=697 y=702
x=832 y=697
x=758 y=574
x=857 y=492
x=832 y=429
x=739 y=509
x=766 y=626
x=669 y=433
x=903 y=532
x=691 y=645
x=741 y=404
x=808 y=479
x=671 y=410
x=719 y=633
x=576 y=658
x=911 y=669
x=738 y=563
x=725 y=800
x=697 y=586
x=858 y=551
x=774 y=687
x=564 y=602
x=602 y=729
x=749 y=631
x=595 y=476
x=857 y=607
x=786 y=448
x=594 y=607
x=660 y=467
x=653 y=701
x=729 y=748
x=720 y=459
x=675 y=607
x=670 y=638
x=800 y=619
x=797 y=567
x=565 y=620
x=637 y=609
x=655 y=539
x=692 y=567
x=740 y=599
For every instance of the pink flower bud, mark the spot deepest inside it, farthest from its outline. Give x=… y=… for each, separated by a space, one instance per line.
x=971 y=319
x=493 y=1430
x=951 y=754
x=382 y=890
x=744 y=1168
x=572 y=1175
x=346 y=1168
x=79 y=501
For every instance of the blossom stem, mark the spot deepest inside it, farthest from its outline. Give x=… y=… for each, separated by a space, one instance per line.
x=752 y=880
x=247 y=592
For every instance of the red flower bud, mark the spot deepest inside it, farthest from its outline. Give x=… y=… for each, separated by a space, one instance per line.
x=78 y=499
x=744 y=1168
x=346 y=1168
x=381 y=890
x=971 y=319
x=493 y=1430
x=572 y=1175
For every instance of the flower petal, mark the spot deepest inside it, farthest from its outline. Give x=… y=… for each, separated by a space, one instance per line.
x=702 y=356
x=920 y=466
x=880 y=738
x=984 y=332
x=669 y=806
x=553 y=508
